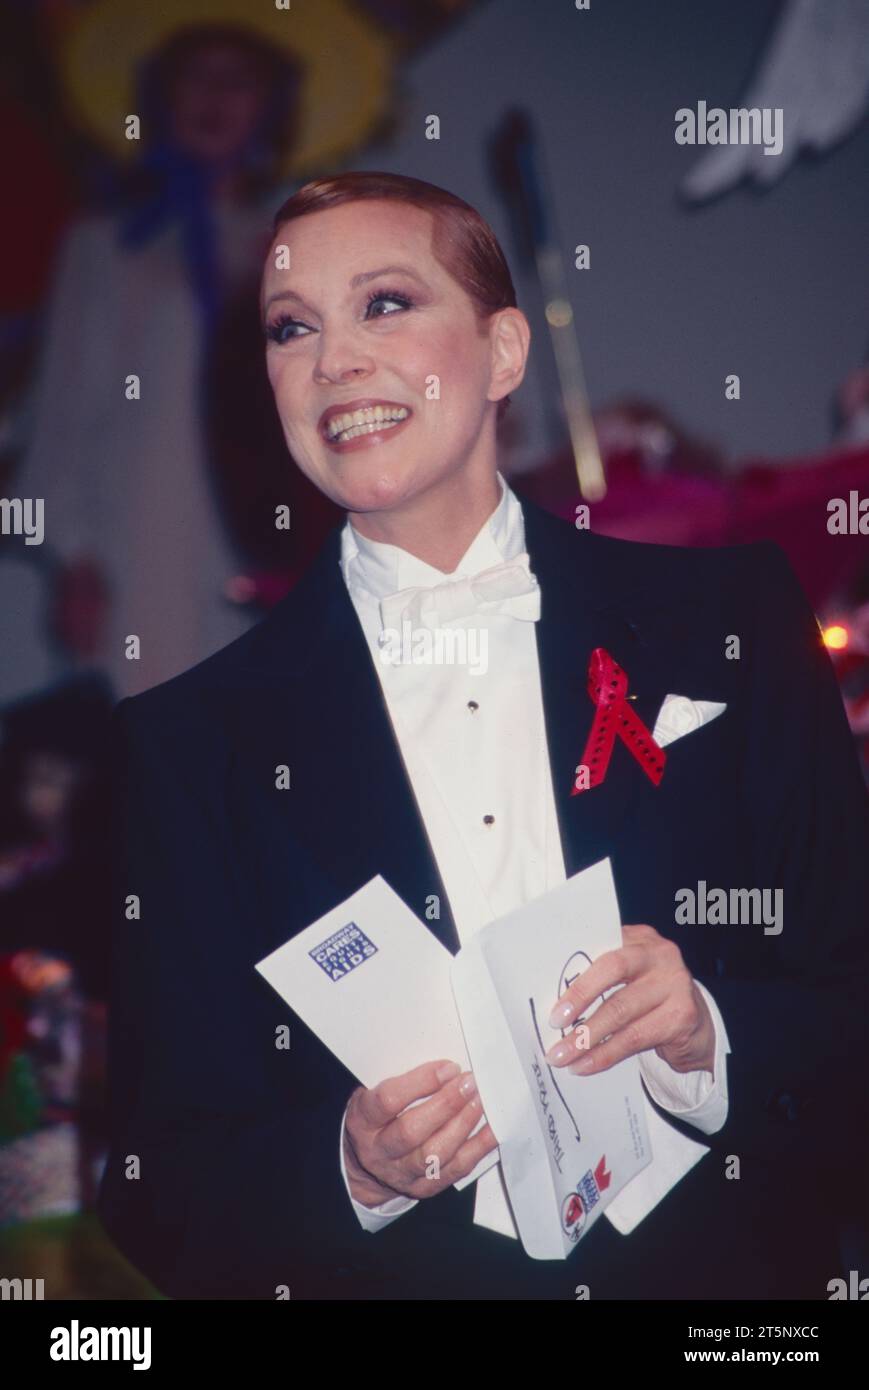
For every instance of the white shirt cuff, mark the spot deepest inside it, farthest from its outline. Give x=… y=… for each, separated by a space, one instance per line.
x=373 y=1218
x=693 y=1096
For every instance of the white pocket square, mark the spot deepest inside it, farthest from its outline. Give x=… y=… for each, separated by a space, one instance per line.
x=679 y=716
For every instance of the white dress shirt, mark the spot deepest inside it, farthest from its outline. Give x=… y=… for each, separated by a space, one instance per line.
x=473 y=741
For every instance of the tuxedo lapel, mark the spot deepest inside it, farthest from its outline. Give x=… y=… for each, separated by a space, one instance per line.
x=583 y=607
x=350 y=802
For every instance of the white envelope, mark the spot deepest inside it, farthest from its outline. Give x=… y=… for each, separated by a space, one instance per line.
x=373 y=983
x=568 y=1144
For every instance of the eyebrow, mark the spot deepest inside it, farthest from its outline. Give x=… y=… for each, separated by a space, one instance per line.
x=361 y=279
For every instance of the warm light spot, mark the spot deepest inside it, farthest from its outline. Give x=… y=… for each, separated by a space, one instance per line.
x=836 y=637
x=241 y=588
x=559 y=313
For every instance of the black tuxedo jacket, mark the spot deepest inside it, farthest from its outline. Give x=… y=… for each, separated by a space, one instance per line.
x=237 y=1189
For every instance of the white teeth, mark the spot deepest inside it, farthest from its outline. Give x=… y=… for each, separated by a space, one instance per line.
x=364 y=429
x=364 y=421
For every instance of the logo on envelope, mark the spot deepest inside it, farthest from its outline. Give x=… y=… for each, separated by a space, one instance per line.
x=577 y=1205
x=343 y=951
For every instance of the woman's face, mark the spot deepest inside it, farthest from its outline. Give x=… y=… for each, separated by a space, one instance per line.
x=367 y=318
x=218 y=102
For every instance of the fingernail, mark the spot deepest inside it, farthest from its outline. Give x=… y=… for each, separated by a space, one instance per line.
x=447 y=1071
x=560 y=1052
x=561 y=1014
x=468 y=1087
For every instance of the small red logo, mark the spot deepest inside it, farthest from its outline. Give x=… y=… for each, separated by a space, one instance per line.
x=573 y=1216
x=601 y=1176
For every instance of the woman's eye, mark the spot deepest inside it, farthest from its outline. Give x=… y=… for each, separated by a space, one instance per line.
x=280 y=330
x=286 y=329
x=386 y=297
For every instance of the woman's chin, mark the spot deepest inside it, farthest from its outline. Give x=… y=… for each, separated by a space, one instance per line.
x=372 y=490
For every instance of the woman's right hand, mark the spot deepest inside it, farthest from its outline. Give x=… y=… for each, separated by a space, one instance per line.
x=392 y=1151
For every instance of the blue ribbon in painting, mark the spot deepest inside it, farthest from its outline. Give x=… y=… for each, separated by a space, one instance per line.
x=185 y=196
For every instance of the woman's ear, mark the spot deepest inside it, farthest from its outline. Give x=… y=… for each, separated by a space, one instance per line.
x=509 y=338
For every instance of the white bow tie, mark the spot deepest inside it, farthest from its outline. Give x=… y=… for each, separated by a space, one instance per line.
x=510 y=589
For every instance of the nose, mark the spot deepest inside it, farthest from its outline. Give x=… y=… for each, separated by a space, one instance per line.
x=340 y=359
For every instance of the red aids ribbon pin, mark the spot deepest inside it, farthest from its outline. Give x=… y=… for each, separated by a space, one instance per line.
x=614 y=717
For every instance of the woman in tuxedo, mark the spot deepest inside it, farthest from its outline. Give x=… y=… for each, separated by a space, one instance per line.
x=241 y=1168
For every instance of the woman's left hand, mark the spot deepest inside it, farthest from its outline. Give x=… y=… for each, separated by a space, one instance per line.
x=659 y=1006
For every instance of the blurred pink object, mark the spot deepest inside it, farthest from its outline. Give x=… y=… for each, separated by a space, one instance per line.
x=784 y=502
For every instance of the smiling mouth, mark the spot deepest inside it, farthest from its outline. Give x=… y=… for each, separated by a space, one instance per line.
x=340 y=429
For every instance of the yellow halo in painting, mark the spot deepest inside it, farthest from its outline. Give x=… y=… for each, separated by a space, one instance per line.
x=346 y=61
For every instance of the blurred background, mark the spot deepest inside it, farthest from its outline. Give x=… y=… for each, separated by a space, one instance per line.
x=133 y=248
